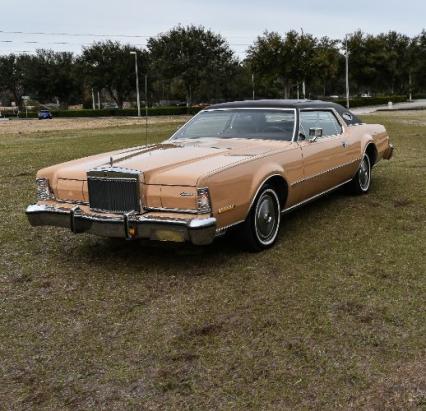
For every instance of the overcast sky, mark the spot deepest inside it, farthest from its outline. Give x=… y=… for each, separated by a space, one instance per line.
x=240 y=21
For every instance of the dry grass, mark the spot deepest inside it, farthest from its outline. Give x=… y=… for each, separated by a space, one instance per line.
x=332 y=317
x=61 y=124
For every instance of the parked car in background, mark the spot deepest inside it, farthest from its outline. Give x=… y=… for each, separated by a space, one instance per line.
x=44 y=115
x=110 y=105
x=235 y=165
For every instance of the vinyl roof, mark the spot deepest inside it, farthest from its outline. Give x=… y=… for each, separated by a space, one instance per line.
x=349 y=118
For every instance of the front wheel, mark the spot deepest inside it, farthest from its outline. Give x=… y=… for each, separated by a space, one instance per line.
x=361 y=182
x=260 y=230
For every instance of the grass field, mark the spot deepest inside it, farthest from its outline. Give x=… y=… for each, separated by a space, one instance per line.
x=333 y=317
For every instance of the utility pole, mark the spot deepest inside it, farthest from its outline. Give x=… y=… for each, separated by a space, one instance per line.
x=347 y=73
x=137 y=82
x=146 y=109
x=303 y=83
x=93 y=100
x=253 y=85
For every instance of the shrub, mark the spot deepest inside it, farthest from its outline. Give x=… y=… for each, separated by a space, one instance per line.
x=173 y=111
x=371 y=101
x=152 y=111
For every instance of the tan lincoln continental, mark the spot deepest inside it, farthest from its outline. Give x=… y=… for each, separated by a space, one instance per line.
x=241 y=165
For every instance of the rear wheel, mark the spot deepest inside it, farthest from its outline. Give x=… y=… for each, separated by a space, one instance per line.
x=260 y=230
x=361 y=182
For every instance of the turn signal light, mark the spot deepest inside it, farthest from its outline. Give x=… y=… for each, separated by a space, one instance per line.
x=203 y=200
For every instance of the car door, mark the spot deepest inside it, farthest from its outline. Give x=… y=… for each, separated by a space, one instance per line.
x=324 y=158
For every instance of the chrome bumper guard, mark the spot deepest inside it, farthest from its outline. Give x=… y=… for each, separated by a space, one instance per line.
x=199 y=231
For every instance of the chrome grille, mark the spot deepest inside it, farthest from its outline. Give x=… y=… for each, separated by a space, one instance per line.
x=117 y=194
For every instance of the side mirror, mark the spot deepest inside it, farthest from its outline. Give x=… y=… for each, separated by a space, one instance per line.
x=314 y=134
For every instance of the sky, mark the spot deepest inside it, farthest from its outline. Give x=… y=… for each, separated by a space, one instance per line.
x=239 y=21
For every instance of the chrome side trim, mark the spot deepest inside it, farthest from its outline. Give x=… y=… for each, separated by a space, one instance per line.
x=173 y=210
x=325 y=172
x=290 y=209
x=308 y=200
x=220 y=230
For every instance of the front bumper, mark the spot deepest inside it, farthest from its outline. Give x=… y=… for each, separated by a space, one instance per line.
x=199 y=231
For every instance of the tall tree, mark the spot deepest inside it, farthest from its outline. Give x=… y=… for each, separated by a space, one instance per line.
x=194 y=55
x=287 y=59
x=267 y=60
x=12 y=75
x=416 y=56
x=53 y=75
x=110 y=66
x=326 y=62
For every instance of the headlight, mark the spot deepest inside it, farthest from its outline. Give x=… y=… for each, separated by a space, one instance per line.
x=203 y=200
x=43 y=189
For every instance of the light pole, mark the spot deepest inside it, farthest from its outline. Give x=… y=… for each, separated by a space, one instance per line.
x=253 y=86
x=93 y=100
x=137 y=82
x=304 y=82
x=347 y=73
x=146 y=108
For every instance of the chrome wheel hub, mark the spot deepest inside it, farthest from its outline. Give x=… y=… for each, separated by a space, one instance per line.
x=364 y=174
x=267 y=218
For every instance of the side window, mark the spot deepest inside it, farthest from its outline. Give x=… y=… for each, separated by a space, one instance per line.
x=319 y=119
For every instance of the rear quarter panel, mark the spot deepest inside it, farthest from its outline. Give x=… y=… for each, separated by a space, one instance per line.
x=372 y=133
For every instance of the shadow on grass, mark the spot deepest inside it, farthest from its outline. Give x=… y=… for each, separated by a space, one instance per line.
x=185 y=257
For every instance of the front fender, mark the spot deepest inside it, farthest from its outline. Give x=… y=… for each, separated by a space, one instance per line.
x=262 y=175
x=233 y=191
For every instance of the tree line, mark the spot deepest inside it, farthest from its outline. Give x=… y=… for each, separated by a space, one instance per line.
x=196 y=65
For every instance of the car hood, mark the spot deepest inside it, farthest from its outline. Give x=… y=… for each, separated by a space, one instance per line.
x=170 y=163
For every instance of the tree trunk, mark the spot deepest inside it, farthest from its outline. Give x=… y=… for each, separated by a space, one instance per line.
x=18 y=99
x=189 y=95
x=14 y=89
x=285 y=89
x=410 y=85
x=115 y=97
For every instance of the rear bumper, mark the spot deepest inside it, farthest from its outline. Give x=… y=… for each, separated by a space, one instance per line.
x=388 y=154
x=199 y=231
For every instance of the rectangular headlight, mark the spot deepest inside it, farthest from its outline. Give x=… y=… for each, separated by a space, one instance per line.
x=43 y=189
x=203 y=200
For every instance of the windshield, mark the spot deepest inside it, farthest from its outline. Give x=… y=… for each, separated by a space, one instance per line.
x=263 y=124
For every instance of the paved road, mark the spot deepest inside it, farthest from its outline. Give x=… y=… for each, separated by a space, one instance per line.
x=398 y=106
